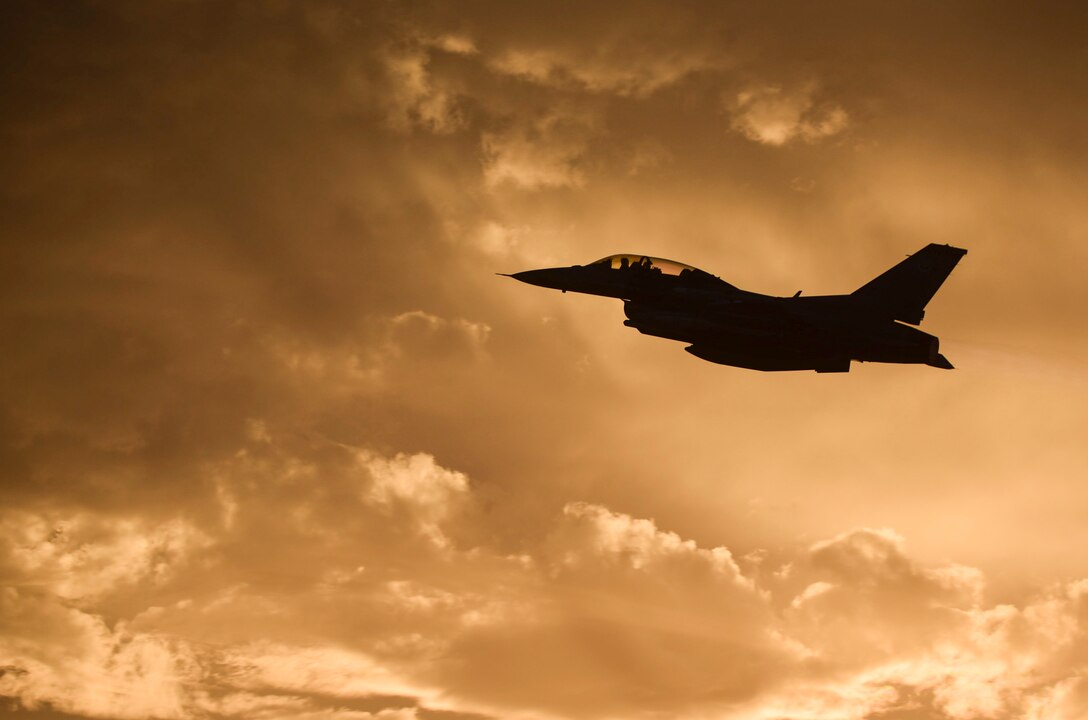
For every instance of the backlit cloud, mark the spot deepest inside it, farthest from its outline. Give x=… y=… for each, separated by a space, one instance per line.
x=417 y=99
x=606 y=71
x=771 y=115
x=427 y=492
x=546 y=152
x=81 y=557
x=852 y=626
x=70 y=660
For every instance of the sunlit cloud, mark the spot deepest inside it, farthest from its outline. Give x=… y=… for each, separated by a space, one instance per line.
x=428 y=492
x=603 y=72
x=864 y=628
x=81 y=557
x=327 y=670
x=498 y=240
x=417 y=99
x=772 y=115
x=70 y=660
x=548 y=152
x=421 y=333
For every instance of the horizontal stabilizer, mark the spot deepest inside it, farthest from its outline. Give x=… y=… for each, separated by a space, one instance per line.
x=940 y=361
x=902 y=292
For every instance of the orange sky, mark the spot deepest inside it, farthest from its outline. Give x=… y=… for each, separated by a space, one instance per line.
x=277 y=442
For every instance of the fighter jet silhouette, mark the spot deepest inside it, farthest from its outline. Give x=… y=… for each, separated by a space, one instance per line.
x=730 y=326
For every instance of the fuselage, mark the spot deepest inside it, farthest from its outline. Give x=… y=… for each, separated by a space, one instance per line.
x=727 y=325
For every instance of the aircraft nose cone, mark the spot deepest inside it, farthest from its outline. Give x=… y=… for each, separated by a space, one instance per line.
x=549 y=277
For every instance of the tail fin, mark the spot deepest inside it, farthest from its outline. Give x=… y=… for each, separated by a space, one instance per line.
x=902 y=292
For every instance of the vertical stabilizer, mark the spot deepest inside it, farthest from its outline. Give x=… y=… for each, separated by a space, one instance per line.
x=902 y=292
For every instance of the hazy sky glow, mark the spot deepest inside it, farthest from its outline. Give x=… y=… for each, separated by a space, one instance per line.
x=276 y=442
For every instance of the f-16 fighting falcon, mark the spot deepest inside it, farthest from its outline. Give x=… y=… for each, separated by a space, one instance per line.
x=730 y=326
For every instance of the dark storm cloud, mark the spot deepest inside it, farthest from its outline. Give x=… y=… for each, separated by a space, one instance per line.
x=182 y=207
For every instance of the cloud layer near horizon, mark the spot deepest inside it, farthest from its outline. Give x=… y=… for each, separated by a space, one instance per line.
x=276 y=442
x=608 y=615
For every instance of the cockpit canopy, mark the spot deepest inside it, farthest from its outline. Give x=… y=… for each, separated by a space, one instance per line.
x=641 y=262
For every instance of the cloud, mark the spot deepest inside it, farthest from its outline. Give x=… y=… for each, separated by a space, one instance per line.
x=373 y=357
x=497 y=240
x=648 y=156
x=456 y=44
x=996 y=662
x=594 y=534
x=633 y=54
x=772 y=115
x=889 y=634
x=71 y=661
x=545 y=152
x=153 y=664
x=422 y=334
x=617 y=70
x=417 y=102
x=415 y=484
x=606 y=615
x=81 y=557
x=329 y=671
x=863 y=600
x=416 y=98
